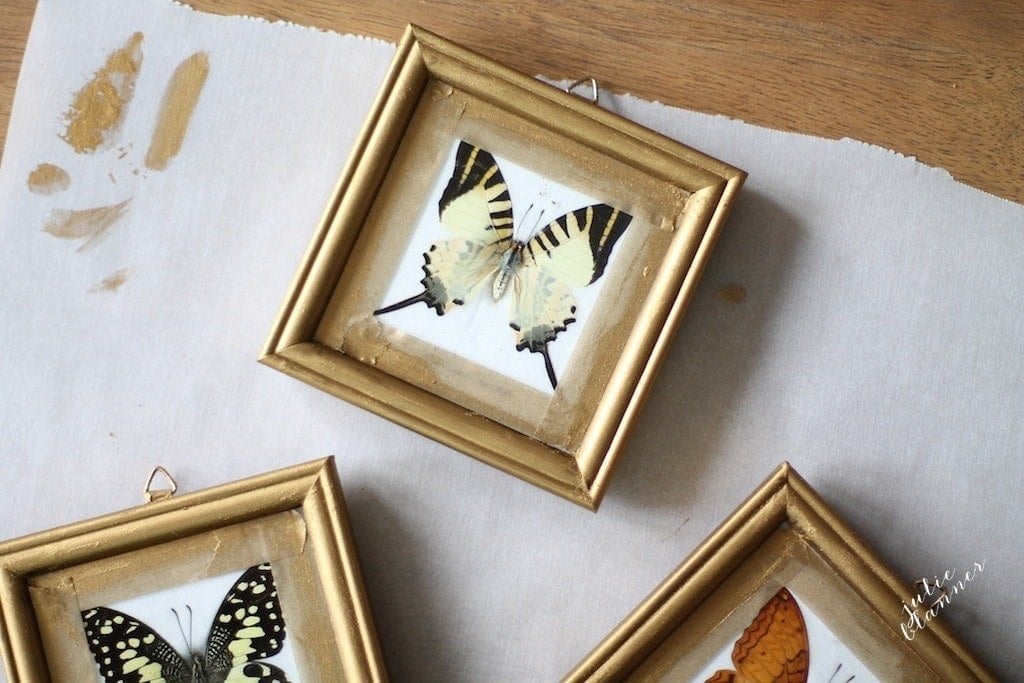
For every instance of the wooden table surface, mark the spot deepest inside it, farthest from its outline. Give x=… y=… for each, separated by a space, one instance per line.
x=941 y=81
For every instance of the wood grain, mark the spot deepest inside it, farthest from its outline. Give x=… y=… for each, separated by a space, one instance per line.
x=942 y=81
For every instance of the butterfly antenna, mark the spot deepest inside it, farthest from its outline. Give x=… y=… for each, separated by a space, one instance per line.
x=834 y=673
x=549 y=367
x=540 y=218
x=187 y=639
x=522 y=221
x=402 y=304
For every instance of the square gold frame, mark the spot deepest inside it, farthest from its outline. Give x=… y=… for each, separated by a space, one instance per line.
x=312 y=490
x=423 y=59
x=783 y=503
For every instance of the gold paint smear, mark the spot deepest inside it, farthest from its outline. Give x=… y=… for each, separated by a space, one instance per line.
x=734 y=294
x=48 y=179
x=179 y=102
x=99 y=107
x=111 y=283
x=87 y=224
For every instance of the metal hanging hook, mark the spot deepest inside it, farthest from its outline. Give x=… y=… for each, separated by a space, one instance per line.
x=571 y=88
x=153 y=494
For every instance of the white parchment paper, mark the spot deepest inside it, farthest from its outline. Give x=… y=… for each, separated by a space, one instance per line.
x=878 y=349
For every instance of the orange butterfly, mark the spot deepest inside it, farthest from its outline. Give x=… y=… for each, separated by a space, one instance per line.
x=774 y=647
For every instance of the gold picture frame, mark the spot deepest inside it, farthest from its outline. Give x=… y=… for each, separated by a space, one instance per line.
x=293 y=520
x=437 y=92
x=784 y=532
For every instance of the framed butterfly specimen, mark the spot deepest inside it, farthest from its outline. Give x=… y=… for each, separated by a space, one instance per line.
x=783 y=591
x=255 y=581
x=571 y=251
x=502 y=267
x=247 y=628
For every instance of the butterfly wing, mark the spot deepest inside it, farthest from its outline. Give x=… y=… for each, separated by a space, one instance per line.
x=543 y=306
x=248 y=625
x=577 y=246
x=774 y=648
x=571 y=251
x=476 y=204
x=128 y=651
x=256 y=672
x=455 y=270
x=724 y=677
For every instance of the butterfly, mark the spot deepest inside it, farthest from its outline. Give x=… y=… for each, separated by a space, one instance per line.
x=248 y=627
x=773 y=649
x=570 y=252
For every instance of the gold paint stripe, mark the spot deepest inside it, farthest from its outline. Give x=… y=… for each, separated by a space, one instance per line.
x=48 y=179
x=176 y=109
x=98 y=109
x=87 y=224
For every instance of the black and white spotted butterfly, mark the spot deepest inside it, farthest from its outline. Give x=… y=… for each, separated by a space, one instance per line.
x=570 y=252
x=248 y=627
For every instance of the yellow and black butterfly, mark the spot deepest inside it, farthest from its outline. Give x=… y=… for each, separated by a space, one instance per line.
x=571 y=251
x=248 y=627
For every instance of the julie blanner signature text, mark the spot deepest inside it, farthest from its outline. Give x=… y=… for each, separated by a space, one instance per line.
x=936 y=593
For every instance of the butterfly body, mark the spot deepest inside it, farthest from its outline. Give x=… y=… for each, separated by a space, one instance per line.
x=570 y=252
x=248 y=627
x=252 y=671
x=201 y=672
x=510 y=262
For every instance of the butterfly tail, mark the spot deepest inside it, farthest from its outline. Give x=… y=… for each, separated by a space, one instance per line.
x=543 y=308
x=549 y=367
x=403 y=303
